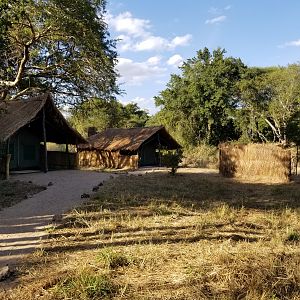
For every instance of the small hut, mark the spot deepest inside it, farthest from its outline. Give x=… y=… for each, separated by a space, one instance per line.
x=126 y=147
x=25 y=128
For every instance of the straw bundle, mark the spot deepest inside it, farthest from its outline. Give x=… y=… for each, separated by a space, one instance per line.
x=267 y=162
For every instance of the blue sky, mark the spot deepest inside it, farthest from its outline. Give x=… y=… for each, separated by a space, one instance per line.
x=155 y=36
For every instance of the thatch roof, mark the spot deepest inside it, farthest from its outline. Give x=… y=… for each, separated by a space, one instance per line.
x=17 y=114
x=129 y=139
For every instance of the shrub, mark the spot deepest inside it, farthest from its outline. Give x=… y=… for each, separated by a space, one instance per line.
x=202 y=156
x=172 y=159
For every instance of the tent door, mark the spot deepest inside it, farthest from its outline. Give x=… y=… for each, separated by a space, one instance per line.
x=148 y=156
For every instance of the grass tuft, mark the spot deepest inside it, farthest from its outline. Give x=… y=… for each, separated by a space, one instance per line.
x=112 y=259
x=85 y=285
x=293 y=237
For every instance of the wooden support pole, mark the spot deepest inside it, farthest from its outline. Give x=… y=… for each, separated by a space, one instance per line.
x=68 y=155
x=7 y=160
x=8 y=156
x=159 y=152
x=77 y=156
x=45 y=141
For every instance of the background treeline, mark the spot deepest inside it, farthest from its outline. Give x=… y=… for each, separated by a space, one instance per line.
x=217 y=98
x=103 y=114
x=213 y=99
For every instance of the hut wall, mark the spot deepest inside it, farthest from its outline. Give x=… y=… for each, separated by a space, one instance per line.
x=25 y=150
x=107 y=159
x=267 y=162
x=58 y=160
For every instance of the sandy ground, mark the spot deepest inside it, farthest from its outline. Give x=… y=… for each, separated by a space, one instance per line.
x=24 y=225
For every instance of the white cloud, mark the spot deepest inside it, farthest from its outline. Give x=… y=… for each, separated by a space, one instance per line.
x=214 y=10
x=175 y=60
x=295 y=43
x=126 y=23
x=216 y=20
x=151 y=43
x=181 y=40
x=138 y=100
x=147 y=104
x=218 y=11
x=134 y=73
x=154 y=60
x=124 y=42
x=135 y=34
x=158 y=43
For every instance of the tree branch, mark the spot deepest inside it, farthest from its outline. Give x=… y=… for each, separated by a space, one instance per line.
x=275 y=130
x=23 y=92
x=23 y=62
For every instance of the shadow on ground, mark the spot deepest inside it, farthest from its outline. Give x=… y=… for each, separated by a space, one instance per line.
x=108 y=219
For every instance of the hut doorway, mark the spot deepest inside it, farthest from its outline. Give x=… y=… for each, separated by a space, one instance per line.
x=148 y=156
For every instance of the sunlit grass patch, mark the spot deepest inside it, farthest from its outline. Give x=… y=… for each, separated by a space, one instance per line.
x=85 y=284
x=156 y=236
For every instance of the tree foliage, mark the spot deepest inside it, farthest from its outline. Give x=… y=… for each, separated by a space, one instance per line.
x=218 y=98
x=61 y=46
x=198 y=104
x=103 y=114
x=270 y=100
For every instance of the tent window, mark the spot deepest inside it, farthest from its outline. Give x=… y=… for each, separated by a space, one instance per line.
x=29 y=152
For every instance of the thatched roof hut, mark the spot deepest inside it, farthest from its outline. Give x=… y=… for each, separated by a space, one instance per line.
x=126 y=147
x=25 y=124
x=16 y=114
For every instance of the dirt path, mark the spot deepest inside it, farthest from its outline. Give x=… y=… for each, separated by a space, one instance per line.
x=22 y=226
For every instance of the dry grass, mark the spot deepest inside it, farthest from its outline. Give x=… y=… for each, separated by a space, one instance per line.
x=157 y=236
x=267 y=162
x=201 y=156
x=12 y=192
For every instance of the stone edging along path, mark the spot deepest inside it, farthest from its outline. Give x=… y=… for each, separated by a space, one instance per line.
x=22 y=226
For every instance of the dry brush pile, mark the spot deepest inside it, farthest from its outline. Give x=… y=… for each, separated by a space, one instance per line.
x=267 y=162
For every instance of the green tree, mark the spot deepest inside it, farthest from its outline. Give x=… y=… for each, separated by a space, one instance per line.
x=103 y=114
x=61 y=46
x=270 y=101
x=254 y=96
x=96 y=113
x=199 y=104
x=134 y=116
x=293 y=129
